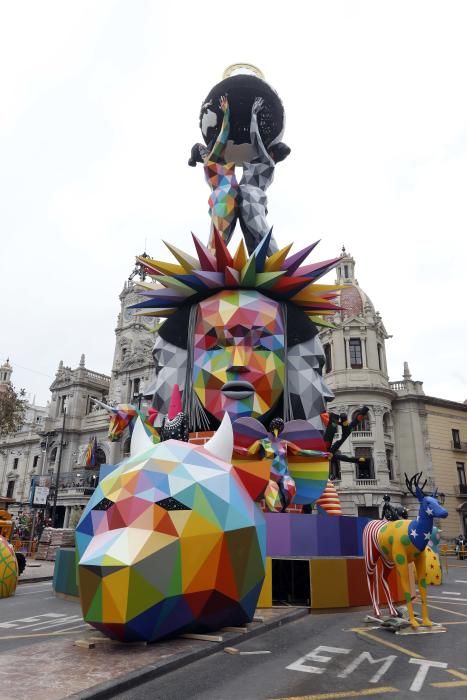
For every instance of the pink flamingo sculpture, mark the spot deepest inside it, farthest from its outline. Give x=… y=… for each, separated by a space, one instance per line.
x=398 y=543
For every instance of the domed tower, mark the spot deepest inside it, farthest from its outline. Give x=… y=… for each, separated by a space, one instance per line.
x=356 y=371
x=133 y=366
x=6 y=370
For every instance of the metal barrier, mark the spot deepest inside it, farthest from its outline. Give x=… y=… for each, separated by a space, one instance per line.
x=452 y=551
x=28 y=547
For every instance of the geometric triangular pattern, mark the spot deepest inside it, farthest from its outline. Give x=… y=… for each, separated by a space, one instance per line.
x=8 y=569
x=297 y=283
x=181 y=547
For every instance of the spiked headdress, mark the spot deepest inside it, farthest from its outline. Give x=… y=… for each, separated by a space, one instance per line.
x=278 y=277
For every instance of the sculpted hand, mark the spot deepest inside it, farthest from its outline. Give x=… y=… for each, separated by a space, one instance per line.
x=224 y=103
x=257 y=105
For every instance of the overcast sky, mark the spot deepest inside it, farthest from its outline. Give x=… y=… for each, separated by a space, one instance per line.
x=99 y=110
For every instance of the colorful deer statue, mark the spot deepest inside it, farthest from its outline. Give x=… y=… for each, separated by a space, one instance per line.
x=124 y=415
x=398 y=543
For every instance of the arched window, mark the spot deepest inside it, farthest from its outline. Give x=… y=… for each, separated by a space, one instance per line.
x=100 y=456
x=364 y=424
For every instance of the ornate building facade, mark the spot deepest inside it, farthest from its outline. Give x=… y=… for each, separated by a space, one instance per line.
x=405 y=430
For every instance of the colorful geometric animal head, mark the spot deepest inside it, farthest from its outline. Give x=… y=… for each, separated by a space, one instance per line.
x=120 y=418
x=124 y=416
x=172 y=541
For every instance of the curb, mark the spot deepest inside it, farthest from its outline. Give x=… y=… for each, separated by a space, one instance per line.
x=151 y=671
x=36 y=579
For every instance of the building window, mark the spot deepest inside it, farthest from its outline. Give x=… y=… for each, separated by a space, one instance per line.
x=126 y=447
x=364 y=468
x=10 y=489
x=15 y=463
x=355 y=353
x=35 y=461
x=456 y=438
x=327 y=358
x=100 y=456
x=390 y=464
x=461 y=473
x=364 y=424
x=346 y=271
x=335 y=469
x=380 y=357
x=371 y=512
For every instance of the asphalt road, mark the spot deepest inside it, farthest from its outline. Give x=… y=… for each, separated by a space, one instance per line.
x=334 y=655
x=34 y=613
x=319 y=657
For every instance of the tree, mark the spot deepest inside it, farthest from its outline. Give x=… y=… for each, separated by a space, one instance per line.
x=12 y=409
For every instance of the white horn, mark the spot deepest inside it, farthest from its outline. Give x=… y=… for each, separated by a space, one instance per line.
x=221 y=443
x=110 y=409
x=140 y=440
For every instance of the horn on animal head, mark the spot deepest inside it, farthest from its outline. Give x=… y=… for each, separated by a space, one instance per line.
x=108 y=408
x=221 y=443
x=140 y=440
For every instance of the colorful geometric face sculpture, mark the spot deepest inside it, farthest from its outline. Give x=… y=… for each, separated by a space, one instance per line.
x=8 y=569
x=239 y=355
x=172 y=541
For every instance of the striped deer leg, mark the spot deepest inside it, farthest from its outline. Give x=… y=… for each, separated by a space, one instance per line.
x=387 y=568
x=372 y=554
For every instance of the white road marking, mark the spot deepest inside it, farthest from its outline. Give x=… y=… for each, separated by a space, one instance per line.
x=450 y=593
x=440 y=597
x=44 y=626
x=37 y=618
x=460 y=580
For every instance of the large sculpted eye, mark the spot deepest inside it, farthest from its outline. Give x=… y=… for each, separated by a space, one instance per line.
x=104 y=504
x=172 y=504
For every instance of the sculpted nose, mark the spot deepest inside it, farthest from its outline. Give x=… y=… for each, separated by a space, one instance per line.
x=238 y=361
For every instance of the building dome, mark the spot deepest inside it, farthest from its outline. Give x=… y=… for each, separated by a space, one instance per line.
x=6 y=371
x=352 y=299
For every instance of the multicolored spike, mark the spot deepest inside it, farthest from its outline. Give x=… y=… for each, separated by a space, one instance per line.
x=278 y=277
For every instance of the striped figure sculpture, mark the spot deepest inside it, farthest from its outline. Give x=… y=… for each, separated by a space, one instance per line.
x=398 y=543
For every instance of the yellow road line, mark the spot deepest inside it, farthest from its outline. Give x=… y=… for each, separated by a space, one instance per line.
x=449 y=684
x=413 y=654
x=365 y=692
x=364 y=633
x=42 y=634
x=458 y=674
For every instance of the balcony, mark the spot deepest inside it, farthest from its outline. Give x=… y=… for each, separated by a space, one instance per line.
x=362 y=435
x=366 y=483
x=459 y=446
x=461 y=490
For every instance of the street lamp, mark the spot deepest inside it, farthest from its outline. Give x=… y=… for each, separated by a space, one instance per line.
x=137 y=398
x=62 y=442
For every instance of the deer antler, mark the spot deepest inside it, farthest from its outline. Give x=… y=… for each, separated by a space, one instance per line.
x=413 y=484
